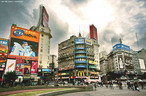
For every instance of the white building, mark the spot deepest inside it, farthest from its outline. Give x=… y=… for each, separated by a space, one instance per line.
x=45 y=36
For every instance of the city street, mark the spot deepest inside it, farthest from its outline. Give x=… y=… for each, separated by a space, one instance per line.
x=103 y=91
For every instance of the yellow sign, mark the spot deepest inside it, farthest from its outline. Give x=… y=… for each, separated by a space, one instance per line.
x=92 y=62
x=81 y=73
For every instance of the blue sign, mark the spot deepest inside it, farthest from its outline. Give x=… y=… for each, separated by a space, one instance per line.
x=81 y=66
x=18 y=32
x=4 y=42
x=80 y=41
x=46 y=70
x=80 y=61
x=121 y=46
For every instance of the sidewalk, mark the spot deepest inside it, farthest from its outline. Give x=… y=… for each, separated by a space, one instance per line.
x=20 y=91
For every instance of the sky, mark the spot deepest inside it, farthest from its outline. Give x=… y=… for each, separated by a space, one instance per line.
x=114 y=19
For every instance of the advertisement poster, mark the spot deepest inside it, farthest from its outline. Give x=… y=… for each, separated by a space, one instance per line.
x=19 y=66
x=23 y=44
x=34 y=67
x=121 y=62
x=128 y=62
x=10 y=66
x=3 y=51
x=26 y=68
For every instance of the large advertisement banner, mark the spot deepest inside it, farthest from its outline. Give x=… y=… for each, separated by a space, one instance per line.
x=128 y=62
x=93 y=32
x=10 y=66
x=3 y=51
x=23 y=44
x=125 y=61
x=19 y=66
x=34 y=67
x=45 y=17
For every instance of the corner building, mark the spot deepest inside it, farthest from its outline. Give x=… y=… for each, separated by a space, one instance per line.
x=77 y=59
x=45 y=37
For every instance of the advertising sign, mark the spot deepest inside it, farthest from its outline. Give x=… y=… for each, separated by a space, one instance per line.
x=128 y=62
x=23 y=44
x=3 y=50
x=79 y=41
x=89 y=42
x=142 y=65
x=125 y=61
x=10 y=66
x=121 y=46
x=121 y=62
x=19 y=66
x=92 y=62
x=93 y=32
x=34 y=67
x=45 y=17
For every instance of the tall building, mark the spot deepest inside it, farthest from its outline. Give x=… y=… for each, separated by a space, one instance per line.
x=45 y=36
x=120 y=59
x=78 y=58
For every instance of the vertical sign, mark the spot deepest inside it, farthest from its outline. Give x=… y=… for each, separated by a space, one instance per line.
x=93 y=32
x=10 y=66
x=34 y=67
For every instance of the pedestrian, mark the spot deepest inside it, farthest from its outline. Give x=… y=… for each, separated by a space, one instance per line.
x=120 y=85
x=95 y=86
x=142 y=85
x=128 y=85
x=136 y=86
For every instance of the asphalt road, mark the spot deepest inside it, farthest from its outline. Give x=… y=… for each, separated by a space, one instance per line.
x=103 y=91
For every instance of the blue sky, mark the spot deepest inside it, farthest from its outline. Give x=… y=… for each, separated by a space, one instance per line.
x=114 y=19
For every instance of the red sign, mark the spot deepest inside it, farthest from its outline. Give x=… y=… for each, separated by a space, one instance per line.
x=93 y=32
x=34 y=67
x=65 y=68
x=19 y=66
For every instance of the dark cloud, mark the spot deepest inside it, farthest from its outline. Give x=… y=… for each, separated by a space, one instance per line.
x=14 y=13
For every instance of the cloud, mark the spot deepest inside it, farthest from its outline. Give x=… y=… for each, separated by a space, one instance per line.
x=129 y=19
x=14 y=13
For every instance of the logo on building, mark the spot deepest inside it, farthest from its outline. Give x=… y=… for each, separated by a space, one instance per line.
x=18 y=32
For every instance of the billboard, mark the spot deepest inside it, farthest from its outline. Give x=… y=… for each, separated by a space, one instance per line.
x=121 y=46
x=19 y=66
x=34 y=66
x=3 y=51
x=125 y=62
x=93 y=32
x=45 y=17
x=23 y=44
x=10 y=66
x=89 y=42
x=142 y=65
x=79 y=41
x=26 y=68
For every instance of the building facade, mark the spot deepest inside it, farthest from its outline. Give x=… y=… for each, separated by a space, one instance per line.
x=78 y=58
x=45 y=37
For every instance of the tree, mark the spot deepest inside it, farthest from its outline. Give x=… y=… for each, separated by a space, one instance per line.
x=10 y=77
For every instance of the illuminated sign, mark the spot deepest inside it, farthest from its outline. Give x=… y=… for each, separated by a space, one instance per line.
x=88 y=42
x=93 y=32
x=79 y=41
x=121 y=46
x=81 y=73
x=34 y=67
x=92 y=62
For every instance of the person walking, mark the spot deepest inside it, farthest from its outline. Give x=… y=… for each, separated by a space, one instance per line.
x=136 y=86
x=95 y=87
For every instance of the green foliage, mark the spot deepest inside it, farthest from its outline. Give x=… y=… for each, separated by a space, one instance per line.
x=10 y=76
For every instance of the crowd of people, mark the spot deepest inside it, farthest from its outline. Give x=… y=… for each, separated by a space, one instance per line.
x=133 y=85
